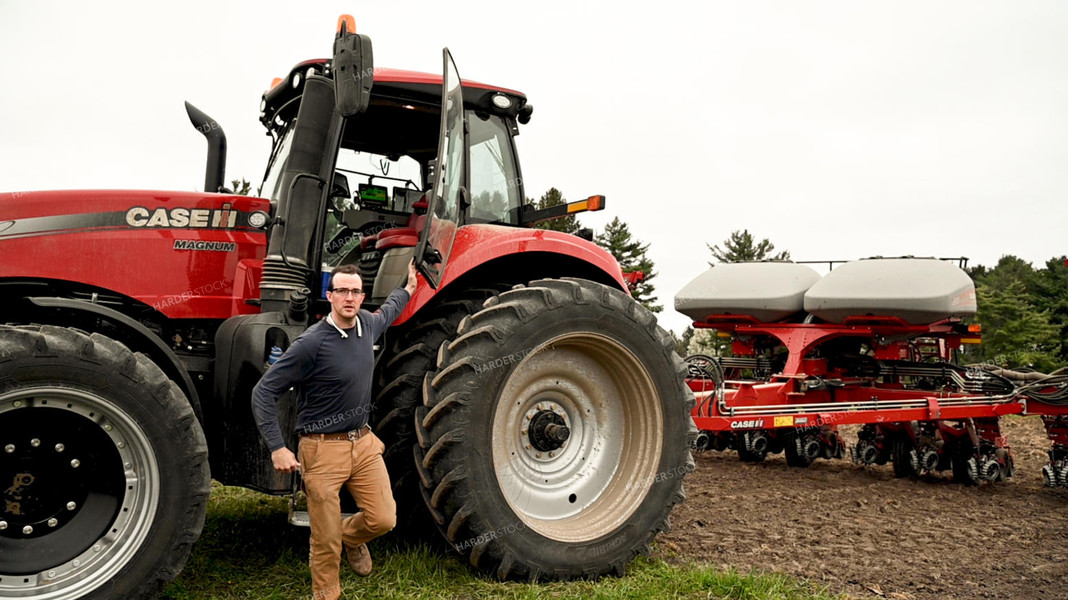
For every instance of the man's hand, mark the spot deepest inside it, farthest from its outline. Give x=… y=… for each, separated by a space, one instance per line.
x=413 y=280
x=284 y=461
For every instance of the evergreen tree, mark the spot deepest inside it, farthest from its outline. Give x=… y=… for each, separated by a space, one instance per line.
x=241 y=187
x=741 y=247
x=631 y=255
x=684 y=342
x=1051 y=296
x=568 y=224
x=1015 y=333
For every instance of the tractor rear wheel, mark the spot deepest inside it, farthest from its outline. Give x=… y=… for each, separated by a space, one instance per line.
x=411 y=355
x=556 y=432
x=105 y=475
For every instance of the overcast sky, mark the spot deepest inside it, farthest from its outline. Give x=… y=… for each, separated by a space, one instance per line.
x=836 y=129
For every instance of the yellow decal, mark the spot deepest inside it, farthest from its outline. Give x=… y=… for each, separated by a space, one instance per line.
x=784 y=421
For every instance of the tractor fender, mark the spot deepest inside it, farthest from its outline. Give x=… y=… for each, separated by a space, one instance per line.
x=146 y=342
x=478 y=246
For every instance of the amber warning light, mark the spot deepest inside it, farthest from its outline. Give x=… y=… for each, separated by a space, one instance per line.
x=346 y=24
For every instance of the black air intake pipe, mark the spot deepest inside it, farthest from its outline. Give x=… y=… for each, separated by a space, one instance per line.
x=216 y=168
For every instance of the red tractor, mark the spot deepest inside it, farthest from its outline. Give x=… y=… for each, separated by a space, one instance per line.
x=531 y=408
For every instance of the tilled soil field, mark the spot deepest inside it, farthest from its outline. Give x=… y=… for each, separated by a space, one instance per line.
x=861 y=532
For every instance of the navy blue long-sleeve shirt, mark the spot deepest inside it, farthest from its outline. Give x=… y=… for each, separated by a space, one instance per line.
x=331 y=371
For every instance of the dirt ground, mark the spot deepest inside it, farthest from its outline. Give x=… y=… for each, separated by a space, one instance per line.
x=861 y=532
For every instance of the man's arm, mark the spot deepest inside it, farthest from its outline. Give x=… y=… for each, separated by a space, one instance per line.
x=394 y=304
x=290 y=369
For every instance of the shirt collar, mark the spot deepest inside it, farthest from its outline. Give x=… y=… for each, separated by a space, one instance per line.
x=344 y=334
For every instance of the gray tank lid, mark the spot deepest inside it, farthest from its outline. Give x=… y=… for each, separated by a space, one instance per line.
x=918 y=290
x=766 y=291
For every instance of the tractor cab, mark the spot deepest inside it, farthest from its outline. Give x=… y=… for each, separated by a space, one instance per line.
x=376 y=212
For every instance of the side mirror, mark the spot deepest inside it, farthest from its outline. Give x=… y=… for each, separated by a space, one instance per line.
x=340 y=188
x=353 y=68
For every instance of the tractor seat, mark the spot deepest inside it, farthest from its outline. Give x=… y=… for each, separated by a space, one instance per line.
x=399 y=237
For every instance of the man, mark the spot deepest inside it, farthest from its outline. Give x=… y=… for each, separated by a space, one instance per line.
x=331 y=364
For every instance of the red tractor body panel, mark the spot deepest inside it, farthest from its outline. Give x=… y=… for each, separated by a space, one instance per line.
x=179 y=252
x=476 y=245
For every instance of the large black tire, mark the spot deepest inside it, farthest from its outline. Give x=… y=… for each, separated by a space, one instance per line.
x=411 y=355
x=112 y=463
x=513 y=499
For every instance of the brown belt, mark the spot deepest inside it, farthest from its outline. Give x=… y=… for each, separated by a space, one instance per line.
x=351 y=436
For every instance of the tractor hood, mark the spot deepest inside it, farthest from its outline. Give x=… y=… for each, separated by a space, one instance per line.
x=178 y=252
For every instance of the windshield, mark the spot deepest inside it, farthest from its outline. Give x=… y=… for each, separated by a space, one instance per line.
x=273 y=177
x=375 y=182
x=378 y=181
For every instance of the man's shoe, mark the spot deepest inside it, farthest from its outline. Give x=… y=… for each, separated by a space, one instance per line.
x=360 y=559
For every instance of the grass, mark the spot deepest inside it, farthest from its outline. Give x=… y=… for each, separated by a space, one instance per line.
x=248 y=550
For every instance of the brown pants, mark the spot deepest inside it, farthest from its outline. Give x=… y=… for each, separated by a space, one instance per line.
x=326 y=466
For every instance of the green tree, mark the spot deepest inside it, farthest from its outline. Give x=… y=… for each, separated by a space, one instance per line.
x=241 y=187
x=741 y=247
x=682 y=343
x=709 y=343
x=631 y=254
x=1015 y=333
x=1050 y=294
x=568 y=224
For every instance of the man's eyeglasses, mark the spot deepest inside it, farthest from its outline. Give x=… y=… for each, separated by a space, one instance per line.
x=346 y=291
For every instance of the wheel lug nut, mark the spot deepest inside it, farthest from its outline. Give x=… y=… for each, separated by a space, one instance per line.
x=527 y=446
x=122 y=445
x=107 y=427
x=538 y=455
x=27 y=530
x=9 y=448
x=17 y=403
x=35 y=442
x=51 y=574
x=3 y=525
x=550 y=455
x=60 y=447
x=71 y=506
x=75 y=463
x=53 y=522
x=76 y=563
x=524 y=432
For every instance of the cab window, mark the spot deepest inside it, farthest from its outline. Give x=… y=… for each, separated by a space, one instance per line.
x=495 y=187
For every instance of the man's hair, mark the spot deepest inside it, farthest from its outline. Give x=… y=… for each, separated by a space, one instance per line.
x=349 y=269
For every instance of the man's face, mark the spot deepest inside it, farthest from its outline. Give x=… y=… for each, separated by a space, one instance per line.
x=345 y=302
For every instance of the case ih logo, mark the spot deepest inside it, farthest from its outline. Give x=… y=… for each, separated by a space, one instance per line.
x=139 y=216
x=749 y=424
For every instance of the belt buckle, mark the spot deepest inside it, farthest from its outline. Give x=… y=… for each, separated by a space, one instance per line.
x=354 y=435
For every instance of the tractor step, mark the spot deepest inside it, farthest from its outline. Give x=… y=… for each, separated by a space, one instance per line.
x=298 y=509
